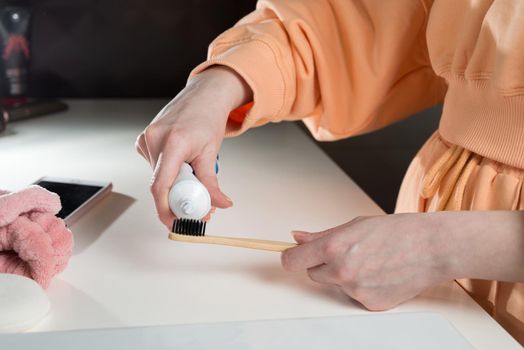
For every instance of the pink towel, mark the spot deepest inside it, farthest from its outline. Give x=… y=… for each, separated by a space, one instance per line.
x=33 y=241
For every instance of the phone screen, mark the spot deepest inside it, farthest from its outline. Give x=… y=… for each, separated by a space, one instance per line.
x=71 y=195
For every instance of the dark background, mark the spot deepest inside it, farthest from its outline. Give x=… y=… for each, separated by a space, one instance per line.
x=127 y=48
x=146 y=48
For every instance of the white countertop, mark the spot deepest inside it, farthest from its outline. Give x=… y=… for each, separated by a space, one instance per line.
x=124 y=270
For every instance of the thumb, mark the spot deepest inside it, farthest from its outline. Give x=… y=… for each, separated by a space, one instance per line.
x=204 y=167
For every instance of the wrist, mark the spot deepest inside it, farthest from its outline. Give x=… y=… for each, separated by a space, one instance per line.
x=476 y=244
x=445 y=245
x=228 y=89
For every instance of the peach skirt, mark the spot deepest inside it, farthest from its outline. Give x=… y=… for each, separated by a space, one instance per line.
x=447 y=177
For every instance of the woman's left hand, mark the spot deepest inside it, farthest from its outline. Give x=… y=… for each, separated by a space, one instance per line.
x=379 y=261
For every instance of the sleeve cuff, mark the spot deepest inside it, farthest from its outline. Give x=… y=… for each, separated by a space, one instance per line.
x=258 y=64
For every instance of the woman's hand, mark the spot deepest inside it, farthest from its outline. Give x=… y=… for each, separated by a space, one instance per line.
x=191 y=129
x=379 y=261
x=382 y=261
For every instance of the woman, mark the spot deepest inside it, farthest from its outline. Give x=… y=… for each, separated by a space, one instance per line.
x=351 y=66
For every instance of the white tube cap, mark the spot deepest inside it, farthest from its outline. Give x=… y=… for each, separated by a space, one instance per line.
x=189 y=200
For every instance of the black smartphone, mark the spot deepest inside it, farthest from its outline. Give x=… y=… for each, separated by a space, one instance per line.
x=77 y=196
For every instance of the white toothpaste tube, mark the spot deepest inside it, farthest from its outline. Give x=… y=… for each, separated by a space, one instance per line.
x=189 y=198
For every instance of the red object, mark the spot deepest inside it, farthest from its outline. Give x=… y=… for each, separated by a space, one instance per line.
x=10 y=102
x=15 y=43
x=238 y=115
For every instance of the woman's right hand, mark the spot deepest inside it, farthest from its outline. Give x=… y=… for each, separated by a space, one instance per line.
x=190 y=129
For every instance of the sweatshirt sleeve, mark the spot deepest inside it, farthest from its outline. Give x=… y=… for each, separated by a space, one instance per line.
x=343 y=66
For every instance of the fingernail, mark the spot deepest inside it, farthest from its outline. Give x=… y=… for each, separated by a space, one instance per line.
x=296 y=235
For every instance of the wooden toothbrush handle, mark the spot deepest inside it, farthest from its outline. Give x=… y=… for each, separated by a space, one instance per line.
x=259 y=244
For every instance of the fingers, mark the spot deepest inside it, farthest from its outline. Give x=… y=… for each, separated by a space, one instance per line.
x=141 y=146
x=150 y=142
x=328 y=274
x=208 y=216
x=304 y=256
x=166 y=171
x=313 y=249
x=204 y=167
x=304 y=237
x=324 y=274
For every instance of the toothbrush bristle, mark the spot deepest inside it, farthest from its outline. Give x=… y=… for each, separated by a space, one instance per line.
x=189 y=227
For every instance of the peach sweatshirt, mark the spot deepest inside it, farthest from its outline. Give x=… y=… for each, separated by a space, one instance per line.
x=351 y=66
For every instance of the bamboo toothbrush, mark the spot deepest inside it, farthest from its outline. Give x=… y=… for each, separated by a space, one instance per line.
x=189 y=200
x=199 y=237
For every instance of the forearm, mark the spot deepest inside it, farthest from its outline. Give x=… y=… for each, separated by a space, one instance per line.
x=483 y=245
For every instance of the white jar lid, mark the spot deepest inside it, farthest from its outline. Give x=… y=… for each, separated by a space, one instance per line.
x=23 y=303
